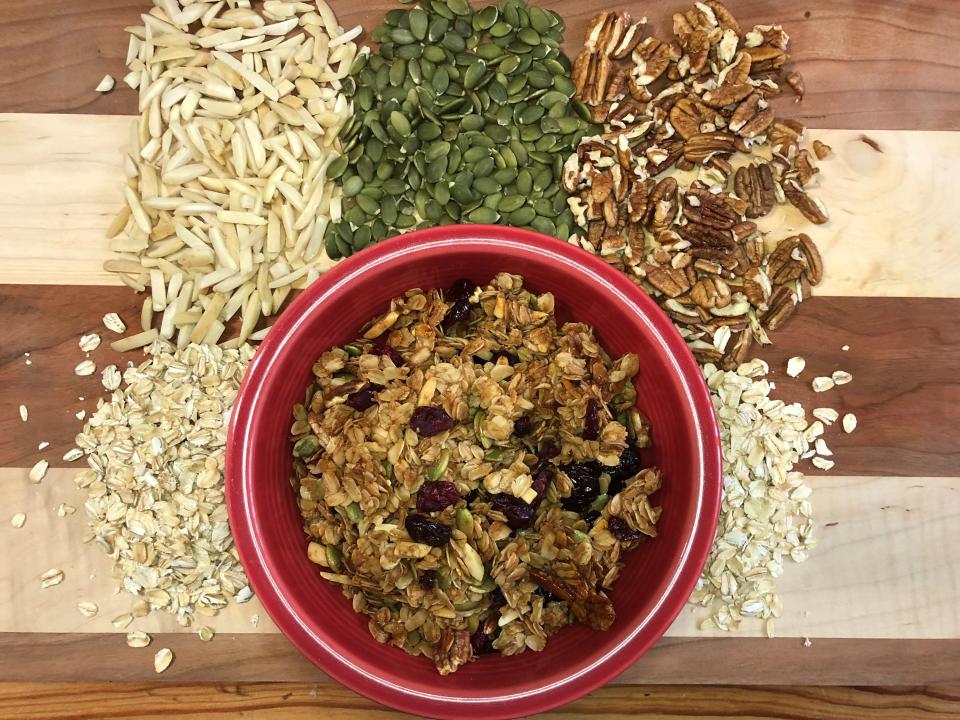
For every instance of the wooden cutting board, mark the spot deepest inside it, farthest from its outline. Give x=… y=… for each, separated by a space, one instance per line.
x=879 y=600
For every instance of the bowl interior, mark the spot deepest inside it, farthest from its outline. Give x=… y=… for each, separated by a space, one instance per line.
x=315 y=613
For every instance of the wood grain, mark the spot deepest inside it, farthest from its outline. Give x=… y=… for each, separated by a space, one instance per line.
x=103 y=657
x=886 y=566
x=904 y=354
x=60 y=181
x=299 y=701
x=867 y=64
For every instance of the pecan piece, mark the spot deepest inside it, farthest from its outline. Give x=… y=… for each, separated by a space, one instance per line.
x=588 y=606
x=795 y=81
x=724 y=17
x=711 y=292
x=782 y=304
x=687 y=115
x=811 y=208
x=601 y=79
x=764 y=58
x=804 y=168
x=580 y=72
x=727 y=94
x=700 y=147
x=757 y=287
x=755 y=184
x=821 y=150
x=653 y=60
x=752 y=116
x=601 y=185
x=737 y=349
x=670 y=281
x=811 y=254
x=453 y=650
x=705 y=236
x=629 y=41
x=661 y=206
x=738 y=71
x=704 y=207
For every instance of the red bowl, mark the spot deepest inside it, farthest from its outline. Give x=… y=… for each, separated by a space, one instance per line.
x=659 y=576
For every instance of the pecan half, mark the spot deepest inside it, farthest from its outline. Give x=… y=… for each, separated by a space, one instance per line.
x=704 y=207
x=752 y=116
x=670 y=281
x=687 y=115
x=629 y=41
x=701 y=146
x=765 y=57
x=811 y=208
x=654 y=56
x=727 y=94
x=782 y=304
x=724 y=17
x=755 y=184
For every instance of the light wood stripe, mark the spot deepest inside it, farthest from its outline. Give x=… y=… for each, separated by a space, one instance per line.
x=886 y=567
x=891 y=234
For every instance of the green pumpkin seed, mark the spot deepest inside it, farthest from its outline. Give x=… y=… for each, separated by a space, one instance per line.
x=511 y=14
x=483 y=216
x=540 y=79
x=486 y=185
x=352 y=186
x=474 y=74
x=335 y=169
x=419 y=21
x=505 y=176
x=540 y=20
x=487 y=17
x=401 y=36
x=529 y=36
x=510 y=203
x=500 y=29
x=454 y=42
x=436 y=471
x=522 y=216
x=368 y=204
x=531 y=114
x=400 y=123
x=343 y=248
x=440 y=80
x=434 y=53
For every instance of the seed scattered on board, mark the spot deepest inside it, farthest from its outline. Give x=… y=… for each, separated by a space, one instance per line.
x=24 y=413
x=795 y=366
x=105 y=85
x=849 y=423
x=139 y=639
x=18 y=520
x=53 y=576
x=162 y=660
x=38 y=471
x=88 y=609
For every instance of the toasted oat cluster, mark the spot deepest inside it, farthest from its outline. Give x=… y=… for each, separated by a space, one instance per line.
x=470 y=472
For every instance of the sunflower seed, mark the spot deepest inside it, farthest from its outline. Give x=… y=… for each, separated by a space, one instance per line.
x=18 y=520
x=24 y=413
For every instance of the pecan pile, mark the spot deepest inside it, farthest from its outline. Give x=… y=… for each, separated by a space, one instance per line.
x=691 y=154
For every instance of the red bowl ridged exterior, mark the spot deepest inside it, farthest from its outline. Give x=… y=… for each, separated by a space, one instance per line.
x=658 y=576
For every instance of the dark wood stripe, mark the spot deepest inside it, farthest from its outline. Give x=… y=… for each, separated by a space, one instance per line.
x=903 y=356
x=299 y=701
x=79 y=657
x=884 y=64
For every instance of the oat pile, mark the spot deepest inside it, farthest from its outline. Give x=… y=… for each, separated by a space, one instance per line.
x=227 y=196
x=470 y=472
x=154 y=485
x=690 y=156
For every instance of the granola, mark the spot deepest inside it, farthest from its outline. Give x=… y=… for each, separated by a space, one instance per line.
x=469 y=471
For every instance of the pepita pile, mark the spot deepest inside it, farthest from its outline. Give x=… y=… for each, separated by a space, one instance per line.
x=463 y=116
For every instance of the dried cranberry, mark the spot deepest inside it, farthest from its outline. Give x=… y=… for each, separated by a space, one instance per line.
x=436 y=495
x=459 y=298
x=591 y=517
x=471 y=496
x=548 y=449
x=429 y=532
x=482 y=643
x=518 y=513
x=428 y=579
x=522 y=426
x=621 y=531
x=547 y=596
x=542 y=475
x=591 y=421
x=497 y=600
x=364 y=397
x=585 y=477
x=626 y=468
x=430 y=420
x=385 y=348
x=457 y=312
x=459 y=289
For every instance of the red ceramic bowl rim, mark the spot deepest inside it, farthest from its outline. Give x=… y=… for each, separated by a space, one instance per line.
x=249 y=537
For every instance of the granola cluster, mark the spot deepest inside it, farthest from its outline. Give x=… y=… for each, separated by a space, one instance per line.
x=470 y=472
